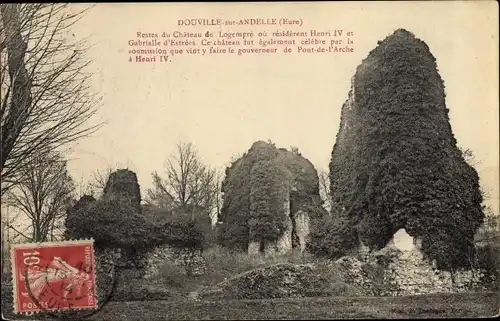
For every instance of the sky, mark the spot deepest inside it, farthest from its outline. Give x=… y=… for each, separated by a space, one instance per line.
x=222 y=104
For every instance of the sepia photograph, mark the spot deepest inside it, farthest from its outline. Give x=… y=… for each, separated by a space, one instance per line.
x=250 y=161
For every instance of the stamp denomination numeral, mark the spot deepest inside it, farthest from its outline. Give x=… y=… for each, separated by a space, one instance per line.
x=31 y=258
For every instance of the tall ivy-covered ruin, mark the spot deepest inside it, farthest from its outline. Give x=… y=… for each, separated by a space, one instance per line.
x=270 y=195
x=395 y=163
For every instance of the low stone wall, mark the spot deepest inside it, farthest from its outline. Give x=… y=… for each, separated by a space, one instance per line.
x=397 y=270
x=189 y=260
x=355 y=273
x=106 y=261
x=409 y=273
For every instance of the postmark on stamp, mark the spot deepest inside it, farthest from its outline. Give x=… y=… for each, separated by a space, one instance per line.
x=53 y=276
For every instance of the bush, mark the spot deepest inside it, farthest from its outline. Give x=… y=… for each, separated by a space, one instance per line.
x=187 y=230
x=180 y=229
x=330 y=282
x=489 y=260
x=330 y=238
x=112 y=224
x=174 y=276
x=222 y=264
x=71 y=222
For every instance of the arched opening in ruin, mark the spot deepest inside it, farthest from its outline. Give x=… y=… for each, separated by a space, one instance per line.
x=400 y=240
x=403 y=241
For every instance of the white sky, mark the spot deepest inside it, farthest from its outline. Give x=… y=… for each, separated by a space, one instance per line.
x=222 y=104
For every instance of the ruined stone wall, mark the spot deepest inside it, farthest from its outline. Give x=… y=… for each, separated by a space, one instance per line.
x=168 y=254
x=401 y=269
x=237 y=224
x=284 y=243
x=107 y=262
x=302 y=228
x=253 y=248
x=409 y=273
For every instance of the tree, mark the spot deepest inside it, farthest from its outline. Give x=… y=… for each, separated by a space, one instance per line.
x=43 y=195
x=189 y=185
x=45 y=100
x=330 y=237
x=490 y=229
x=158 y=195
x=219 y=177
x=99 y=180
x=95 y=186
x=83 y=202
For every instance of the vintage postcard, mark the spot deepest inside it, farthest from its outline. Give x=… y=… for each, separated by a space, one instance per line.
x=263 y=160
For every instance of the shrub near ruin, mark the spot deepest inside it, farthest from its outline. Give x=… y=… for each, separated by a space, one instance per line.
x=99 y=220
x=331 y=238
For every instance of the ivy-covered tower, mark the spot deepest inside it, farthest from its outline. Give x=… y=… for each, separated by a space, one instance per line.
x=395 y=163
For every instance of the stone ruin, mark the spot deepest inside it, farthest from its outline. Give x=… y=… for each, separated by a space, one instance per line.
x=405 y=270
x=183 y=258
x=149 y=267
x=297 y=226
x=301 y=200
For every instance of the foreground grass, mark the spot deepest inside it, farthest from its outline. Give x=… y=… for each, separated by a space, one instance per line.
x=426 y=306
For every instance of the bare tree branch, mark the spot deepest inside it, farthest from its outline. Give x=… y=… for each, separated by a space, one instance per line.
x=19 y=232
x=99 y=180
x=44 y=195
x=188 y=185
x=46 y=102
x=468 y=156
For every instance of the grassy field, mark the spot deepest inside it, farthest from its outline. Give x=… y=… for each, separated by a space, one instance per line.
x=426 y=306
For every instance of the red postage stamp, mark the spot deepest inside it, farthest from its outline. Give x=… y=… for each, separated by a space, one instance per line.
x=53 y=276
